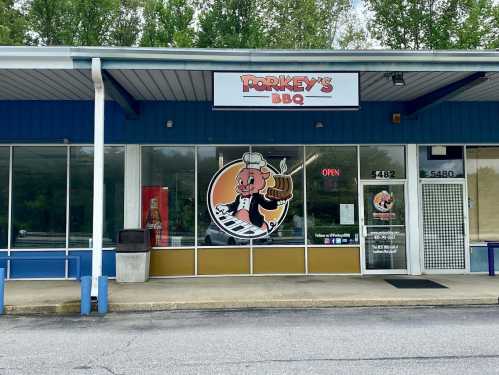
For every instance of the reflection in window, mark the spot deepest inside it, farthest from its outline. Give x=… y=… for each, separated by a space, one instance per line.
x=332 y=195
x=483 y=184
x=287 y=162
x=441 y=162
x=81 y=195
x=168 y=195
x=4 y=195
x=39 y=197
x=382 y=162
x=210 y=160
x=114 y=193
x=80 y=198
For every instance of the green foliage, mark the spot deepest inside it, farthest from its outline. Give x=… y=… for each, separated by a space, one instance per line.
x=434 y=24
x=93 y=20
x=232 y=24
x=278 y=24
x=290 y=24
x=50 y=22
x=12 y=24
x=168 y=23
x=84 y=22
x=307 y=23
x=127 y=23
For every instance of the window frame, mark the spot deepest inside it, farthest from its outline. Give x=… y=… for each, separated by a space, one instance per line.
x=66 y=249
x=250 y=246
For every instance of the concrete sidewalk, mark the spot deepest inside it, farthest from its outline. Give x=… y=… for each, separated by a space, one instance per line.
x=44 y=297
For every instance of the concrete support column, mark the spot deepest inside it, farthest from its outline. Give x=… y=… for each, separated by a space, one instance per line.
x=413 y=209
x=98 y=199
x=132 y=187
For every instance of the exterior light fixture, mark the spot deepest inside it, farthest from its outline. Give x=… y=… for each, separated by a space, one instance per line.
x=396 y=118
x=398 y=79
x=319 y=125
x=438 y=151
x=169 y=124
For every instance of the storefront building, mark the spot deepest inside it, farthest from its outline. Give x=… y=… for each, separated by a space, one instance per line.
x=359 y=162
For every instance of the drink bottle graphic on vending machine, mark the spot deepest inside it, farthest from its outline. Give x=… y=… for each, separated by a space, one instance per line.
x=154 y=221
x=155 y=214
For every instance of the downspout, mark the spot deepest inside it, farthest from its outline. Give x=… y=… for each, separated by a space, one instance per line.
x=98 y=198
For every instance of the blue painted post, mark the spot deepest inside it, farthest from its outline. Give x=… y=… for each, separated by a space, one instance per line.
x=2 y=289
x=490 y=249
x=102 y=300
x=86 y=287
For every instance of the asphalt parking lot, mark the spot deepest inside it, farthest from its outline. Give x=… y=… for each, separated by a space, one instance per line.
x=319 y=341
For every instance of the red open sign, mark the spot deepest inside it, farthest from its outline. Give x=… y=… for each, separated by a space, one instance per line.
x=331 y=172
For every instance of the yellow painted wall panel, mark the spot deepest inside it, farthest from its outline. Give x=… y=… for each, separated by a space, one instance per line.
x=279 y=260
x=172 y=263
x=334 y=260
x=223 y=261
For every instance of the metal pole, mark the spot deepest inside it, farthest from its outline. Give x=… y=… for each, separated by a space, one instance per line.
x=103 y=288
x=490 y=251
x=98 y=202
x=85 y=288
x=2 y=289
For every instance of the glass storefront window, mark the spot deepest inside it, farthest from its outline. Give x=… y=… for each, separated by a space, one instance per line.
x=332 y=195
x=39 y=197
x=168 y=195
x=81 y=195
x=4 y=196
x=287 y=162
x=483 y=184
x=212 y=159
x=114 y=193
x=382 y=162
x=441 y=162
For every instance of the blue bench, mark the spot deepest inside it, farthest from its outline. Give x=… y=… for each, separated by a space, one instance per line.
x=76 y=258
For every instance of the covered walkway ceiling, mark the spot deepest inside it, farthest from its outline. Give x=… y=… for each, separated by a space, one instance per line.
x=63 y=73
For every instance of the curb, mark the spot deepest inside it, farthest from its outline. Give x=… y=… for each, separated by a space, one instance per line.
x=74 y=307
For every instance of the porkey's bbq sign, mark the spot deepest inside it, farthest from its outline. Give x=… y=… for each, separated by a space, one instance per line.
x=262 y=90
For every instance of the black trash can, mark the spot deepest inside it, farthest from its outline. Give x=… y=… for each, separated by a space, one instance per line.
x=133 y=256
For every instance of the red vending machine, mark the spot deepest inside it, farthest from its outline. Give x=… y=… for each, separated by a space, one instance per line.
x=155 y=214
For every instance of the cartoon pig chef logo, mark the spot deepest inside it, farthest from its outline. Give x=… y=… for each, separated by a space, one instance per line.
x=248 y=198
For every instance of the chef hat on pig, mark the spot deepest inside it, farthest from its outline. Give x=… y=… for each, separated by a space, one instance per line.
x=254 y=160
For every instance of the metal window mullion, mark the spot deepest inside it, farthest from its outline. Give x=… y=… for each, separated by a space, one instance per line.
x=195 y=210
x=305 y=225
x=466 y=212
x=250 y=148
x=68 y=181
x=361 y=218
x=9 y=219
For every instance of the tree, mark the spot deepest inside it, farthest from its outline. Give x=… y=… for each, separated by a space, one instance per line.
x=168 y=23
x=12 y=24
x=93 y=21
x=127 y=23
x=477 y=25
x=51 y=22
x=314 y=24
x=434 y=24
x=232 y=24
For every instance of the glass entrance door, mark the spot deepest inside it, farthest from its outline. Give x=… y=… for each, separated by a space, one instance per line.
x=383 y=227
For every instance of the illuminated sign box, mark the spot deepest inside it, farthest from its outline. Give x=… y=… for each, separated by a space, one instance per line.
x=286 y=90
